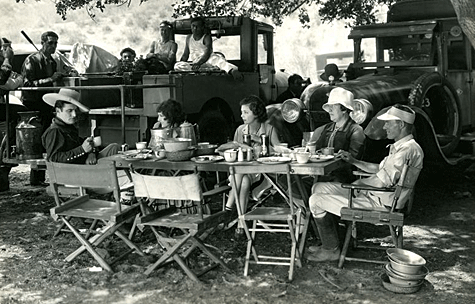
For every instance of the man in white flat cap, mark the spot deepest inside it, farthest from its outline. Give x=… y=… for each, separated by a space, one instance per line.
x=328 y=198
x=61 y=140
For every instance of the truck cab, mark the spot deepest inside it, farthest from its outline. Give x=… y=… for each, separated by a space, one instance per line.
x=421 y=59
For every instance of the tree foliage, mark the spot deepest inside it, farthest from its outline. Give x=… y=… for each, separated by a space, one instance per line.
x=356 y=12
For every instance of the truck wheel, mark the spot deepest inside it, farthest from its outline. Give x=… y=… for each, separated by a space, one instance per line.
x=439 y=100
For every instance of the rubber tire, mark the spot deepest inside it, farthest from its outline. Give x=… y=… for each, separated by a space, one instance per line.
x=444 y=115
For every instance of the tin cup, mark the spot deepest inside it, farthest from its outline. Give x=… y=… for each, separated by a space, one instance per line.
x=328 y=151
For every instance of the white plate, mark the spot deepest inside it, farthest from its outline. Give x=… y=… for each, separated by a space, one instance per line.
x=204 y=159
x=274 y=160
x=321 y=158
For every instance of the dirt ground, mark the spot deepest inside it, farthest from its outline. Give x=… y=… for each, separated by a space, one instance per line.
x=33 y=270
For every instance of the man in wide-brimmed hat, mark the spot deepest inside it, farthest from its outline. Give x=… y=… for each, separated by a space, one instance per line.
x=328 y=198
x=61 y=140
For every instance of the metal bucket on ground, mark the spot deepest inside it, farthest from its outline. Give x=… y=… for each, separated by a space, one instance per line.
x=28 y=136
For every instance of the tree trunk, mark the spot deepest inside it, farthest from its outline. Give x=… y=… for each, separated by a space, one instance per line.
x=465 y=10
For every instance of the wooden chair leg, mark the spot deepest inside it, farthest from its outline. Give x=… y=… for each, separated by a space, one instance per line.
x=87 y=246
x=346 y=244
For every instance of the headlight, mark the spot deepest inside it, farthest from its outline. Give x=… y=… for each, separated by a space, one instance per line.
x=291 y=109
x=361 y=111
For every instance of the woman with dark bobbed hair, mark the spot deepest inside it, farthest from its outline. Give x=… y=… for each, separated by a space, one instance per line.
x=170 y=115
x=254 y=115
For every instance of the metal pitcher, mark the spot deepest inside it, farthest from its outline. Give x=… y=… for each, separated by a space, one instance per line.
x=28 y=136
x=159 y=135
x=188 y=130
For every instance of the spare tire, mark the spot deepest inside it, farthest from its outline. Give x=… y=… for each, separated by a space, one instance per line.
x=438 y=99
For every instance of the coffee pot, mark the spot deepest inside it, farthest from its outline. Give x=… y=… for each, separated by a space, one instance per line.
x=188 y=130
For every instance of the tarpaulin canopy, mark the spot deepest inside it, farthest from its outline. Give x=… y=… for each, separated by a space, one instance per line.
x=88 y=58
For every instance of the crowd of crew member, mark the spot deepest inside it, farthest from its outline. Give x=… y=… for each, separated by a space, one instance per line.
x=62 y=143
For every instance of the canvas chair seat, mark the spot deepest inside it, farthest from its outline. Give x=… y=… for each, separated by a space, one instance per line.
x=389 y=216
x=195 y=226
x=270 y=219
x=112 y=214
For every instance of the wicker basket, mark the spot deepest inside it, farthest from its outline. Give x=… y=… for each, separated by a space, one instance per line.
x=180 y=155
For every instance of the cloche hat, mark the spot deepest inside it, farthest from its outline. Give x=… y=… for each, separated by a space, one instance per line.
x=339 y=96
x=68 y=95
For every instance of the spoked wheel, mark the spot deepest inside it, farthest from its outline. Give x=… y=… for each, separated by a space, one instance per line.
x=438 y=99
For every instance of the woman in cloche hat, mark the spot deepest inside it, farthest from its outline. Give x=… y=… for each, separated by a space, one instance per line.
x=342 y=133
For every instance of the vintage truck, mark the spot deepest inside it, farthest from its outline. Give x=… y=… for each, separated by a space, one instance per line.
x=419 y=57
x=210 y=98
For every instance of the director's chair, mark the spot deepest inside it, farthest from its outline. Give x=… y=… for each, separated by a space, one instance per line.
x=112 y=214
x=195 y=226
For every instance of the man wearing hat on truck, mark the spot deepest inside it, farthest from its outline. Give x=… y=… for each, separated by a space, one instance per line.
x=328 y=198
x=61 y=140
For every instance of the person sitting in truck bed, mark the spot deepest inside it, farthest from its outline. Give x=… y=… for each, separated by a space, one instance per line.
x=127 y=61
x=162 y=55
x=199 y=49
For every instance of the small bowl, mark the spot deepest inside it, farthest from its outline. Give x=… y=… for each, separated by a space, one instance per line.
x=230 y=155
x=141 y=145
x=159 y=153
x=303 y=157
x=176 y=144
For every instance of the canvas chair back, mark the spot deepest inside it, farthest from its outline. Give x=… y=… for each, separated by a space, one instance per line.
x=102 y=176
x=181 y=188
x=405 y=187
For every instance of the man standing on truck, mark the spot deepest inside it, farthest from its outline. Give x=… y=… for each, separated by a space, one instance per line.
x=199 y=49
x=40 y=70
x=328 y=198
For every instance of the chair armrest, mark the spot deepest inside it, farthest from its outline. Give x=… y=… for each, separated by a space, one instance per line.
x=361 y=173
x=365 y=187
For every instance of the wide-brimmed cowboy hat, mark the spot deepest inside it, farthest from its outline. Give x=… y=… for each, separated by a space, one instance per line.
x=68 y=95
x=340 y=96
x=397 y=114
x=331 y=69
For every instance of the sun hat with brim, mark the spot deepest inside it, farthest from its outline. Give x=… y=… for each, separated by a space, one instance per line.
x=67 y=95
x=331 y=69
x=397 y=114
x=339 y=96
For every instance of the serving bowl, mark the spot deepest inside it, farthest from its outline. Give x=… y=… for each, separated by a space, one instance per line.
x=396 y=288
x=180 y=155
x=176 y=144
x=400 y=280
x=404 y=256
x=405 y=261
x=205 y=149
